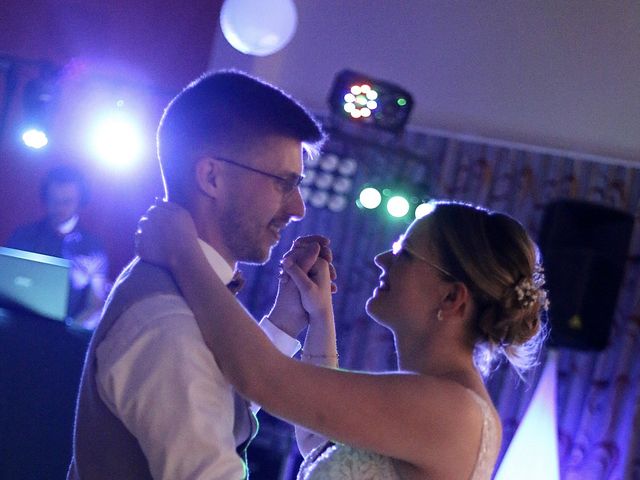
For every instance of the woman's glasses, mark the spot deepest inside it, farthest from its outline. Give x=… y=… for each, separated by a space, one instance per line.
x=402 y=244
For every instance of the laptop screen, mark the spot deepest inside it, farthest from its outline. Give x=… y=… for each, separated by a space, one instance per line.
x=36 y=282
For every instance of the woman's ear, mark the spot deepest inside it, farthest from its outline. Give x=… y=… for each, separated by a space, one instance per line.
x=206 y=176
x=457 y=300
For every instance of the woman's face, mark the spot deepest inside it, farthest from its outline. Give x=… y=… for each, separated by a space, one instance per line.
x=410 y=289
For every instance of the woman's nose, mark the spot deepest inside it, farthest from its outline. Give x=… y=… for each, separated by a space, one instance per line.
x=382 y=259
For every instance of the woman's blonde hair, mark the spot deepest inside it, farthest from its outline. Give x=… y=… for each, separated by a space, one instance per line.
x=492 y=254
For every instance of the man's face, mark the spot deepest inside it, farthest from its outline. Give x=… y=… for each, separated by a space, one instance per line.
x=256 y=208
x=62 y=202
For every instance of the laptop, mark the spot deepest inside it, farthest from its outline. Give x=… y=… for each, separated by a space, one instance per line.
x=35 y=282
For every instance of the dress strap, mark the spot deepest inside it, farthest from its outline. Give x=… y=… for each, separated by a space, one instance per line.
x=489 y=446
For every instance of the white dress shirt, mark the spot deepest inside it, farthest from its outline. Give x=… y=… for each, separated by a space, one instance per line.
x=155 y=373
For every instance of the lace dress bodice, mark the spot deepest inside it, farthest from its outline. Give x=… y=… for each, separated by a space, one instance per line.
x=342 y=462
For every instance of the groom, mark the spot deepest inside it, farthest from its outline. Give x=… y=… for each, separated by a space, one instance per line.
x=153 y=403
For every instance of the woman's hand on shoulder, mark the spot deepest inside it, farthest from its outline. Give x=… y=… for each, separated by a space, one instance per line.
x=166 y=234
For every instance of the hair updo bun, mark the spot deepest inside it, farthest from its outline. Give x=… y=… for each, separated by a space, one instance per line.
x=492 y=254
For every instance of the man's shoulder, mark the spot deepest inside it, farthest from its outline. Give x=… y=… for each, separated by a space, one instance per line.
x=140 y=279
x=142 y=293
x=146 y=276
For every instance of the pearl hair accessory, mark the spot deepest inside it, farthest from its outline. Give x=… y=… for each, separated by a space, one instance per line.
x=529 y=290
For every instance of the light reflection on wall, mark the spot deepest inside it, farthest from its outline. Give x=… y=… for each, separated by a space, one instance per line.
x=533 y=452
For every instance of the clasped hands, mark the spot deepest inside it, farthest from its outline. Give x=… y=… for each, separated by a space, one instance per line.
x=167 y=233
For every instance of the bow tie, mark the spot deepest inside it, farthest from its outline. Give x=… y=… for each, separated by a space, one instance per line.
x=236 y=283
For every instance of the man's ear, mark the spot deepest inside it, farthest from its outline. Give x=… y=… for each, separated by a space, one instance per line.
x=207 y=179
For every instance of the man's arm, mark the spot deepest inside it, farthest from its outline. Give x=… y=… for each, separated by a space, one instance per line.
x=156 y=375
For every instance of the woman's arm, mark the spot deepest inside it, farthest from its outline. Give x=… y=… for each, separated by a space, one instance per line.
x=404 y=415
x=287 y=312
x=320 y=343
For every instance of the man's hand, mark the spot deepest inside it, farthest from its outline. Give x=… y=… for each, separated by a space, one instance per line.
x=287 y=313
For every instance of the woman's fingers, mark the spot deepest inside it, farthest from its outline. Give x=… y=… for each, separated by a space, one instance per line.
x=299 y=276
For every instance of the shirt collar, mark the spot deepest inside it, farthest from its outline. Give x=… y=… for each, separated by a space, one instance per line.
x=68 y=226
x=219 y=264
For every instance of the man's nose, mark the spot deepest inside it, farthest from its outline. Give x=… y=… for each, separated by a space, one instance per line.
x=295 y=205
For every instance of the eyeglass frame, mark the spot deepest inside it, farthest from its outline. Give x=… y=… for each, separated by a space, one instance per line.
x=402 y=244
x=287 y=185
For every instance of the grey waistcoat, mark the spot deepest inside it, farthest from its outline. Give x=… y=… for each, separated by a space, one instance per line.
x=103 y=448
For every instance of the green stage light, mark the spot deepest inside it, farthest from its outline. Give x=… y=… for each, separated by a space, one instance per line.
x=398 y=206
x=370 y=198
x=424 y=209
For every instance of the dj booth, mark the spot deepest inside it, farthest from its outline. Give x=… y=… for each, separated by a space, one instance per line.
x=40 y=365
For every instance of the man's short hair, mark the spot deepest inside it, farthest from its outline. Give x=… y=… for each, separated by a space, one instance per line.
x=226 y=108
x=61 y=175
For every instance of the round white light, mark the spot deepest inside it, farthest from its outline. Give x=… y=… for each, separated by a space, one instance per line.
x=329 y=162
x=34 y=138
x=348 y=166
x=425 y=209
x=370 y=198
x=337 y=203
x=116 y=140
x=324 y=180
x=341 y=185
x=397 y=206
x=319 y=198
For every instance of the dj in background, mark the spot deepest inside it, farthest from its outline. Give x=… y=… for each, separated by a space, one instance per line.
x=64 y=192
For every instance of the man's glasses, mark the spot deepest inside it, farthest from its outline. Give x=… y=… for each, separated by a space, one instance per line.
x=286 y=185
x=401 y=244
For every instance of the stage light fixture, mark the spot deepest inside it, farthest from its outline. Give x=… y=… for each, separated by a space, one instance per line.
x=35 y=138
x=356 y=97
x=116 y=139
x=337 y=203
x=39 y=99
x=319 y=198
x=398 y=206
x=328 y=181
x=370 y=198
x=424 y=209
x=397 y=201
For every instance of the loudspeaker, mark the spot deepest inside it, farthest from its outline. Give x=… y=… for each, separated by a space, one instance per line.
x=584 y=249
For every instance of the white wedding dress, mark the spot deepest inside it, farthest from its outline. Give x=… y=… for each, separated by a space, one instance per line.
x=342 y=462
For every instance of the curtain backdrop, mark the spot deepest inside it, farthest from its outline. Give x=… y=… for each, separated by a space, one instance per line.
x=598 y=414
